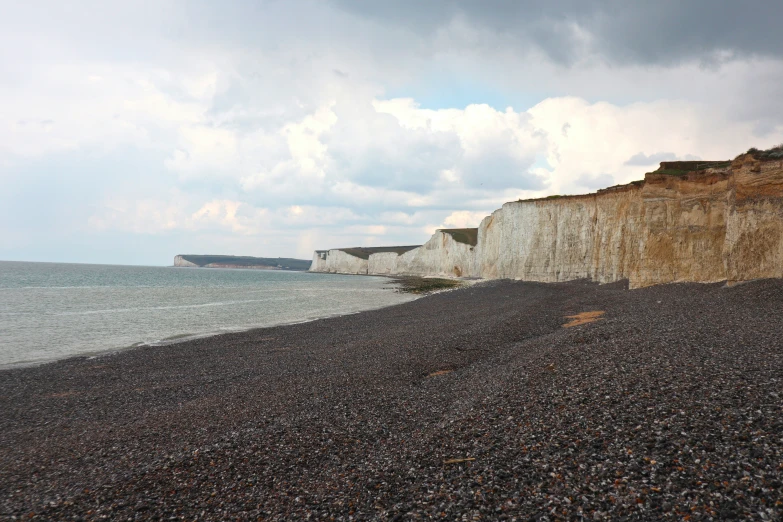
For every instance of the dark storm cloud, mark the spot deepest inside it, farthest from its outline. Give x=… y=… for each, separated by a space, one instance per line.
x=661 y=32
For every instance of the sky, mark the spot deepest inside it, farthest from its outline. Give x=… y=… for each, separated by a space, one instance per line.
x=132 y=131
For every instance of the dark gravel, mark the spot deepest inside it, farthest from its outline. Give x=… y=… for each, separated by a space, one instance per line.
x=669 y=407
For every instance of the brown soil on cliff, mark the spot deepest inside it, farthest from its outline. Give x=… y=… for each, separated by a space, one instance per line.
x=668 y=408
x=583 y=318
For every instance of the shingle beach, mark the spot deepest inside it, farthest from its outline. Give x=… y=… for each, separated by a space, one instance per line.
x=472 y=404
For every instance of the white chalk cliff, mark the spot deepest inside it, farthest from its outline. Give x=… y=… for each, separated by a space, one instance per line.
x=181 y=261
x=688 y=221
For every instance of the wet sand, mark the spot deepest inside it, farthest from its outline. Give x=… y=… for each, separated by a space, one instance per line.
x=474 y=402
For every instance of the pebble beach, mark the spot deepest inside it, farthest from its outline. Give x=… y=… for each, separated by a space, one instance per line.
x=662 y=403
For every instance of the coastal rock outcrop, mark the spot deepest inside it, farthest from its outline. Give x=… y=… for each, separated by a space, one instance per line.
x=687 y=221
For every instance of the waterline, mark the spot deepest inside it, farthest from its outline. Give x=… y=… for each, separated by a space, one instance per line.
x=52 y=311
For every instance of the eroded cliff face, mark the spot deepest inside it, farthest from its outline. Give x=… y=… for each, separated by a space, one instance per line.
x=753 y=247
x=441 y=256
x=319 y=261
x=714 y=224
x=336 y=261
x=688 y=221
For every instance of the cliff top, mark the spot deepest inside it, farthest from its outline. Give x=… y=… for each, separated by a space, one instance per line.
x=775 y=153
x=683 y=168
x=468 y=236
x=680 y=169
x=364 y=252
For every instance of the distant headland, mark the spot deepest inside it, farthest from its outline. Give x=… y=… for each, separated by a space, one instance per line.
x=261 y=263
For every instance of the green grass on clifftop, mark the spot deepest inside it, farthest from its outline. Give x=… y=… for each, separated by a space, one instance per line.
x=468 y=236
x=364 y=252
x=683 y=168
x=769 y=154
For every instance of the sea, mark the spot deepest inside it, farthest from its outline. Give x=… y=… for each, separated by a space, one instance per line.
x=51 y=311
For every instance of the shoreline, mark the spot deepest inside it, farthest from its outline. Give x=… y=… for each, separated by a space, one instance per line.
x=412 y=282
x=183 y=338
x=174 y=340
x=477 y=402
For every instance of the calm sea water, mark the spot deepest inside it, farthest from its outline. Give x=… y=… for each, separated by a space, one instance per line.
x=51 y=310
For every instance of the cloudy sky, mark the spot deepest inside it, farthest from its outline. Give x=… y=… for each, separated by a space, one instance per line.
x=131 y=131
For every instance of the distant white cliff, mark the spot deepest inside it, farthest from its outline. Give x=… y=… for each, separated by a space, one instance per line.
x=223 y=261
x=688 y=221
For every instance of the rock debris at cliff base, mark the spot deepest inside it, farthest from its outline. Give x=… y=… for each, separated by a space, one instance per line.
x=474 y=403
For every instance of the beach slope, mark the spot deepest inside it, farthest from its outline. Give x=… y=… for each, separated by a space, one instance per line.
x=478 y=402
